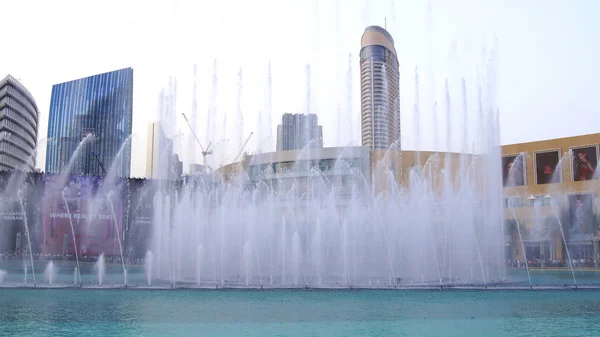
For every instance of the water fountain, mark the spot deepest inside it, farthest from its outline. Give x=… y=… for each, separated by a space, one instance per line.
x=100 y=267
x=148 y=262
x=20 y=195
x=522 y=244
x=249 y=232
x=109 y=197
x=2 y=275
x=557 y=177
x=316 y=244
x=564 y=239
x=78 y=269
x=50 y=273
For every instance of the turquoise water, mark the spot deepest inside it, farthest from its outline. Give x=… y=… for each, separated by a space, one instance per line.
x=121 y=312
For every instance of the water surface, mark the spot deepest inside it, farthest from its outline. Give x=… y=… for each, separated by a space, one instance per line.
x=122 y=312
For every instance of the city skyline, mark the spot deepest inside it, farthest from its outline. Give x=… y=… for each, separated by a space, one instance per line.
x=446 y=39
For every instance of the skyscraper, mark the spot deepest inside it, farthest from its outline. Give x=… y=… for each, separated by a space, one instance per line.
x=296 y=131
x=18 y=126
x=98 y=108
x=380 y=89
x=159 y=152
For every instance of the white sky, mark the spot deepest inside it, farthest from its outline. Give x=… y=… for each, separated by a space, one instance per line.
x=546 y=63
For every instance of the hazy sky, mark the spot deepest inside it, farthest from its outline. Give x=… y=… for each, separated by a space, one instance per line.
x=540 y=57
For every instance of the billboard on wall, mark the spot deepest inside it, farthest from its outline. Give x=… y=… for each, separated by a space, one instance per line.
x=141 y=212
x=94 y=224
x=11 y=225
x=584 y=163
x=581 y=213
x=513 y=170
x=546 y=167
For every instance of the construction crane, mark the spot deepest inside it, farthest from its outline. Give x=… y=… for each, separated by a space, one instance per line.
x=241 y=149
x=206 y=151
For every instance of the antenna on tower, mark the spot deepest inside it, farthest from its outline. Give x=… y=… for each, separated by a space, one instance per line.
x=385 y=23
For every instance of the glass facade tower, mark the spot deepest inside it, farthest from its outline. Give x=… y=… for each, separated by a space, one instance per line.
x=97 y=109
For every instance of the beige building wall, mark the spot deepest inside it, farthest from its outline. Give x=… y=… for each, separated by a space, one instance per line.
x=435 y=165
x=522 y=198
x=567 y=185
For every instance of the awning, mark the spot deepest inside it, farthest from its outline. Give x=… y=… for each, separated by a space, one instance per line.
x=537 y=238
x=575 y=238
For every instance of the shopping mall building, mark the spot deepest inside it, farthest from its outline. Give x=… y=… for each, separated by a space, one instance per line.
x=545 y=183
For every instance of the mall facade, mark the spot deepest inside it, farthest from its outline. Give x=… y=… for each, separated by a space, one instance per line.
x=549 y=185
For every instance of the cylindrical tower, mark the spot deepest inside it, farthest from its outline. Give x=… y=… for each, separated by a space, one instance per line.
x=19 y=117
x=380 y=89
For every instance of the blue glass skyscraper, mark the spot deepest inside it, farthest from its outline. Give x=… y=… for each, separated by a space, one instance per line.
x=98 y=107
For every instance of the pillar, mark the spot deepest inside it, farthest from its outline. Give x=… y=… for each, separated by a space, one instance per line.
x=596 y=252
x=542 y=254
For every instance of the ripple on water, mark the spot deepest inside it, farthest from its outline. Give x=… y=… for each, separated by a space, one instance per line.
x=28 y=312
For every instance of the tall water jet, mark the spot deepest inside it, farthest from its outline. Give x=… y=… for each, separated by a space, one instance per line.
x=269 y=105
x=20 y=195
x=283 y=236
x=417 y=117
x=116 y=225
x=193 y=117
x=212 y=108
x=199 y=256
x=148 y=260
x=349 y=103
x=522 y=243
x=240 y=115
x=66 y=171
x=78 y=270
x=562 y=233
x=465 y=138
x=448 y=123
x=50 y=273
x=247 y=259
x=296 y=257
x=100 y=267
x=2 y=275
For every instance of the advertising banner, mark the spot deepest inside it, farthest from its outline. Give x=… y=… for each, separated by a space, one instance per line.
x=581 y=213
x=11 y=225
x=546 y=163
x=513 y=170
x=141 y=212
x=80 y=209
x=585 y=161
